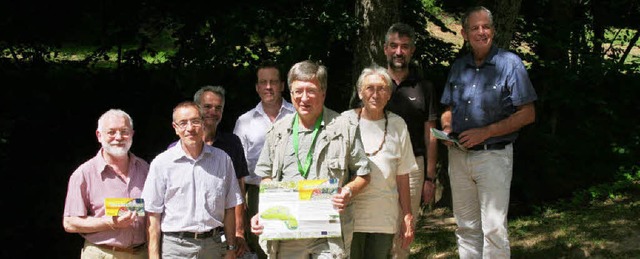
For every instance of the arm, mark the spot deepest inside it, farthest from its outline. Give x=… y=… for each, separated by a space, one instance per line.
x=405 y=204
x=524 y=115
x=428 y=189
x=229 y=222
x=239 y=216
x=88 y=224
x=153 y=234
x=349 y=190
x=445 y=121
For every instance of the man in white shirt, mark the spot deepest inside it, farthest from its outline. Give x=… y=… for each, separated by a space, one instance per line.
x=251 y=127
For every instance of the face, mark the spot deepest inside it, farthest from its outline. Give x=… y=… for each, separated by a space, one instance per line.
x=308 y=98
x=374 y=93
x=479 y=33
x=269 y=86
x=212 y=108
x=188 y=125
x=399 y=50
x=116 y=136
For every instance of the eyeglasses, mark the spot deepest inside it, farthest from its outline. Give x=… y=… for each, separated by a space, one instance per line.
x=268 y=82
x=123 y=132
x=184 y=123
x=372 y=89
x=311 y=93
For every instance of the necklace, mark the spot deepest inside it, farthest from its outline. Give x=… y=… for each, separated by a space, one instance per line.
x=384 y=137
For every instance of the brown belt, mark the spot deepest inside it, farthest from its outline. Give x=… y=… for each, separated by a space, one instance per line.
x=131 y=250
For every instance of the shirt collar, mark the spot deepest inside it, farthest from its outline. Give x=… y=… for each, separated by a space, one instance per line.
x=487 y=61
x=284 y=106
x=177 y=153
x=101 y=165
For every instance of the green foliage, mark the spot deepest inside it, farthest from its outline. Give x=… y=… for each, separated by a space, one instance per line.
x=627 y=180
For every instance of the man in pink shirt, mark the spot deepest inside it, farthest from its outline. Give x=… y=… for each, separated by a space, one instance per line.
x=113 y=173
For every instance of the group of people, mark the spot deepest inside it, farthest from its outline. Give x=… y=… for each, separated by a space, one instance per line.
x=201 y=195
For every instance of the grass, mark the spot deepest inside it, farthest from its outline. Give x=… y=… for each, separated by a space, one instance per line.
x=606 y=228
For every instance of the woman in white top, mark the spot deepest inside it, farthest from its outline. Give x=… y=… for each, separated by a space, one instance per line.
x=387 y=144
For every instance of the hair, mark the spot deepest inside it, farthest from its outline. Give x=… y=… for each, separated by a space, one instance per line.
x=186 y=104
x=114 y=113
x=219 y=90
x=268 y=64
x=373 y=70
x=472 y=10
x=403 y=30
x=306 y=71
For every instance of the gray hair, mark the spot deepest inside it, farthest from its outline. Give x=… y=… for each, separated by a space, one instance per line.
x=306 y=71
x=402 y=29
x=186 y=104
x=373 y=70
x=472 y=10
x=113 y=113
x=219 y=90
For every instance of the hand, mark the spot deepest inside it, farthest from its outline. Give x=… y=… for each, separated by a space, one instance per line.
x=125 y=220
x=256 y=227
x=241 y=245
x=407 y=231
x=428 y=192
x=341 y=200
x=472 y=137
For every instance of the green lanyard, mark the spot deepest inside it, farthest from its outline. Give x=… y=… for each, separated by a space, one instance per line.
x=304 y=169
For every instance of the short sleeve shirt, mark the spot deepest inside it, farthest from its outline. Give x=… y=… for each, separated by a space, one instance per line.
x=414 y=100
x=485 y=94
x=191 y=194
x=94 y=181
x=230 y=144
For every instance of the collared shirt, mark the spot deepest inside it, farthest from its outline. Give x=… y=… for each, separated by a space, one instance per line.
x=191 y=194
x=230 y=144
x=94 y=181
x=485 y=94
x=251 y=127
x=338 y=152
x=415 y=101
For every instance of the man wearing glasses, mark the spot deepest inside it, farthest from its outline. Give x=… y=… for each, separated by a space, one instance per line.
x=190 y=194
x=211 y=100
x=313 y=143
x=251 y=127
x=113 y=173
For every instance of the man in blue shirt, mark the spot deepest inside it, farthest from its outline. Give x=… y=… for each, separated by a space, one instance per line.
x=488 y=98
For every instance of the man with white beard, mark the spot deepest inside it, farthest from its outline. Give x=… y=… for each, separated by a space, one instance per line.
x=112 y=173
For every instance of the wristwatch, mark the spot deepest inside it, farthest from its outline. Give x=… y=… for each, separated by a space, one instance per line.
x=427 y=178
x=231 y=247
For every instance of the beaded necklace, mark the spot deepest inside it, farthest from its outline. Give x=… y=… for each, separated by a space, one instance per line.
x=384 y=137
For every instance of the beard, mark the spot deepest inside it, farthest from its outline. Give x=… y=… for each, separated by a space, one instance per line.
x=117 y=151
x=393 y=65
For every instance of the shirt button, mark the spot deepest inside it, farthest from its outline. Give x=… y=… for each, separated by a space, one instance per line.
x=455 y=86
x=474 y=85
x=477 y=69
x=468 y=101
x=466 y=119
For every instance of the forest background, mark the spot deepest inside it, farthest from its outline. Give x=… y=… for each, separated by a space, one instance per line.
x=62 y=64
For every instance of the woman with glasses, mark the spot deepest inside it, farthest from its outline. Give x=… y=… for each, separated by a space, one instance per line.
x=388 y=146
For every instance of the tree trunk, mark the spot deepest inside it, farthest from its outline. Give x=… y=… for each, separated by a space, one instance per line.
x=505 y=15
x=632 y=43
x=374 y=17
